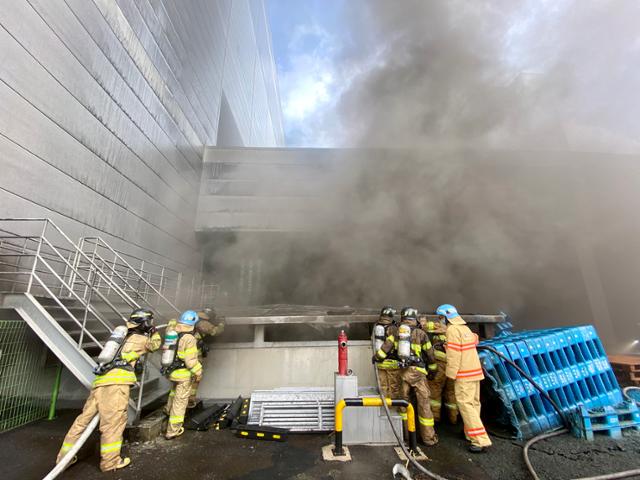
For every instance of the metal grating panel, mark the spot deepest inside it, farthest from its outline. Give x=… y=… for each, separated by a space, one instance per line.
x=25 y=383
x=298 y=409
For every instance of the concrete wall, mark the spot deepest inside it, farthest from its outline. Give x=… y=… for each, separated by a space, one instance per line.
x=106 y=106
x=229 y=372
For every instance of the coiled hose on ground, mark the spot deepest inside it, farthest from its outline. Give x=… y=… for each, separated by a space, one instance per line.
x=528 y=445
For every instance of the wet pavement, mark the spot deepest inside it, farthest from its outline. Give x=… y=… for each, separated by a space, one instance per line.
x=28 y=453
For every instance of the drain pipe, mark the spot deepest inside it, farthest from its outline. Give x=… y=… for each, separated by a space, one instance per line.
x=54 y=393
x=59 y=468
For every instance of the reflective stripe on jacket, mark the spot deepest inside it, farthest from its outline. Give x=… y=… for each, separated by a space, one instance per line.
x=463 y=363
x=187 y=352
x=134 y=347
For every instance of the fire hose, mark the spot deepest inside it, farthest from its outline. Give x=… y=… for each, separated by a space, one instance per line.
x=525 y=451
x=64 y=462
x=527 y=446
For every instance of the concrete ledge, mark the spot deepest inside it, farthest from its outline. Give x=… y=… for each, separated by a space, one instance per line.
x=149 y=428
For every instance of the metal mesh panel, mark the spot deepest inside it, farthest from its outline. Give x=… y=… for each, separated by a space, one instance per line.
x=25 y=379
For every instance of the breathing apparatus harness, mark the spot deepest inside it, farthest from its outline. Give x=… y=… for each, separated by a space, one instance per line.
x=177 y=363
x=118 y=361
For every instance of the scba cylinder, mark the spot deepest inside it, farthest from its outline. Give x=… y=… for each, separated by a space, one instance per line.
x=112 y=345
x=169 y=348
x=404 y=341
x=378 y=333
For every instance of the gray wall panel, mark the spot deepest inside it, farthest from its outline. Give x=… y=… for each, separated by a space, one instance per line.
x=106 y=107
x=70 y=198
x=68 y=70
x=65 y=154
x=77 y=125
x=67 y=27
x=181 y=112
x=96 y=26
x=184 y=92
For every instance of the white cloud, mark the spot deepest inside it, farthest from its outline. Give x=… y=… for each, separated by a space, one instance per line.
x=310 y=84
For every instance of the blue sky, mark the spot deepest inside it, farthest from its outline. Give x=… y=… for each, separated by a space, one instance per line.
x=308 y=36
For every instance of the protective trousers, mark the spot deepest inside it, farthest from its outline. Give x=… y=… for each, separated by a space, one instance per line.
x=441 y=386
x=193 y=394
x=413 y=379
x=110 y=402
x=178 y=407
x=390 y=382
x=468 y=396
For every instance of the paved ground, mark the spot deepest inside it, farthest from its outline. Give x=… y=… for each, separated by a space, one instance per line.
x=28 y=453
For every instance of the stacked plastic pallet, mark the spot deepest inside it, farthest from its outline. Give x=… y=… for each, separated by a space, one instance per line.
x=585 y=423
x=569 y=363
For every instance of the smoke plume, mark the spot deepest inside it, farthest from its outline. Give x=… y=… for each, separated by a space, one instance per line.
x=470 y=183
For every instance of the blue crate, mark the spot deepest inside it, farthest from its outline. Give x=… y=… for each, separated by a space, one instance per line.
x=570 y=364
x=609 y=420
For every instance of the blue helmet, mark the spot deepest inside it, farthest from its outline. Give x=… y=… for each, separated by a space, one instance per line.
x=447 y=310
x=189 y=317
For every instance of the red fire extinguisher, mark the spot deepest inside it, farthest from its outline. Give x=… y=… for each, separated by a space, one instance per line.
x=342 y=353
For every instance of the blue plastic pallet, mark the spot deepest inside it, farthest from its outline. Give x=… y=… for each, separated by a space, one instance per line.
x=610 y=421
x=569 y=363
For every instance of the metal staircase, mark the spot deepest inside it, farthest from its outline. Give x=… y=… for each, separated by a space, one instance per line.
x=73 y=299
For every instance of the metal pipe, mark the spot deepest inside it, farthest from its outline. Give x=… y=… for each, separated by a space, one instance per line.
x=54 y=392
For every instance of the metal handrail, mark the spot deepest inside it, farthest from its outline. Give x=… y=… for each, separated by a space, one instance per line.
x=93 y=268
x=104 y=244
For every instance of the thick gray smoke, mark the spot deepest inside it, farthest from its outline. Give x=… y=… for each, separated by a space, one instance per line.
x=471 y=188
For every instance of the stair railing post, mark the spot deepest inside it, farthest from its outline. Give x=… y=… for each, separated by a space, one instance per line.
x=140 y=390
x=37 y=256
x=86 y=307
x=113 y=269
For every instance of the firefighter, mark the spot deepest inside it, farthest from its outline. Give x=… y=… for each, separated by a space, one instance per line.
x=388 y=368
x=185 y=369
x=439 y=386
x=204 y=328
x=109 y=396
x=463 y=367
x=417 y=362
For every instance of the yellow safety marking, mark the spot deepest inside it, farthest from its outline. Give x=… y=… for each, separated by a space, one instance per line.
x=427 y=422
x=110 y=447
x=244 y=433
x=276 y=436
x=260 y=434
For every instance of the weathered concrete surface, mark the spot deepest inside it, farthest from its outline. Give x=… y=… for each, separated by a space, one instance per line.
x=29 y=452
x=233 y=372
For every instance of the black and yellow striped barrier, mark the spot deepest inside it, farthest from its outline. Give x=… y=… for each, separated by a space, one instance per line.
x=374 y=402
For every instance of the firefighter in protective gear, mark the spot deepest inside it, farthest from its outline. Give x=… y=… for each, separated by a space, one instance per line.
x=419 y=364
x=387 y=365
x=185 y=369
x=109 y=396
x=463 y=366
x=439 y=386
x=204 y=328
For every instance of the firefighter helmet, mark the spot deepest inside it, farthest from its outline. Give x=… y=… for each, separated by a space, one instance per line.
x=141 y=317
x=447 y=311
x=189 y=317
x=409 y=313
x=387 y=311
